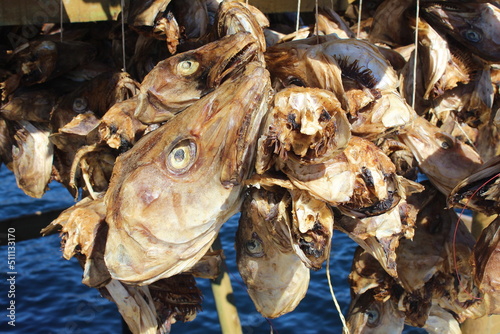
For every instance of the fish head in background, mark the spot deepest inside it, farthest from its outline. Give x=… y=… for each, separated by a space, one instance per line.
x=179 y=81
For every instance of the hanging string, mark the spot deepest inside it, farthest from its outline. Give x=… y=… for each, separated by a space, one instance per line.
x=61 y=6
x=417 y=23
x=298 y=16
x=123 y=37
x=316 y=25
x=359 y=18
x=337 y=306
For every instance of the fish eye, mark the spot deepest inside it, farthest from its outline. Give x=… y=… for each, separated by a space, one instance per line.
x=254 y=246
x=295 y=81
x=15 y=150
x=373 y=317
x=472 y=36
x=445 y=141
x=187 y=67
x=182 y=156
x=80 y=104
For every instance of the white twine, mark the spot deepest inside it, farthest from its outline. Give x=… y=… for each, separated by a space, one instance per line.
x=359 y=18
x=337 y=306
x=414 y=88
x=298 y=16
x=124 y=69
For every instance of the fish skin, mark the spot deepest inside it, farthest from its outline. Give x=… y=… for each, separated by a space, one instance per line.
x=276 y=278
x=160 y=222
x=169 y=88
x=445 y=160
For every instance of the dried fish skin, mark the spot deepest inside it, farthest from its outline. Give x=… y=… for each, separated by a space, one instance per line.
x=379 y=236
x=136 y=306
x=388 y=114
x=32 y=156
x=471 y=102
x=6 y=142
x=179 y=81
x=34 y=105
x=445 y=160
x=474 y=25
x=361 y=181
x=276 y=278
x=304 y=124
x=480 y=190
x=390 y=23
x=311 y=229
x=119 y=128
x=42 y=60
x=83 y=233
x=441 y=321
x=330 y=22
x=486 y=266
x=234 y=17
x=192 y=15
x=300 y=64
x=160 y=223
x=143 y=14
x=96 y=95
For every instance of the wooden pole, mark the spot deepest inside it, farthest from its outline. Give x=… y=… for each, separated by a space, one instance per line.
x=224 y=299
x=484 y=325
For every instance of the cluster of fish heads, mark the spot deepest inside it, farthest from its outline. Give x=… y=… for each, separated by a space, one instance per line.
x=303 y=132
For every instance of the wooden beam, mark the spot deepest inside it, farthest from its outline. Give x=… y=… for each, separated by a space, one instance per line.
x=36 y=12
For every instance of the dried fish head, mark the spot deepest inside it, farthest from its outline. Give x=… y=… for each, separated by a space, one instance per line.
x=361 y=181
x=276 y=278
x=305 y=124
x=32 y=156
x=179 y=81
x=445 y=160
x=474 y=25
x=160 y=222
x=373 y=308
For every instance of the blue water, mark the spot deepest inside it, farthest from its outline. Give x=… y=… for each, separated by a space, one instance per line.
x=50 y=298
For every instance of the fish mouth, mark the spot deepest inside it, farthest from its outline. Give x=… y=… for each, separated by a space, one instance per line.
x=235 y=63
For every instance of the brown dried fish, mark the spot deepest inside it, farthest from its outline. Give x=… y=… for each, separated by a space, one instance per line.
x=179 y=81
x=157 y=182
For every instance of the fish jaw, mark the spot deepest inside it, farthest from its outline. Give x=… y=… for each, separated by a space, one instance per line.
x=179 y=81
x=160 y=222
